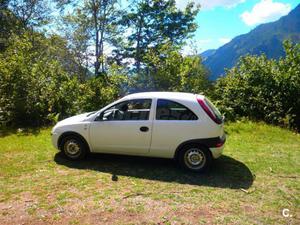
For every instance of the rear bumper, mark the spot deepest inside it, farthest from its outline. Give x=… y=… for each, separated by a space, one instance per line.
x=217 y=148
x=216 y=152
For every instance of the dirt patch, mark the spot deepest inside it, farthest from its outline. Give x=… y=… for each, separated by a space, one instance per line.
x=136 y=209
x=15 y=212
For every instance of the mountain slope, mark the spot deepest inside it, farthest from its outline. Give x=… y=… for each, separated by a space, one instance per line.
x=266 y=38
x=207 y=53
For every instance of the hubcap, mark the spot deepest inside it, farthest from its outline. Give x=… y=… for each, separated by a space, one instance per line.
x=72 y=148
x=194 y=158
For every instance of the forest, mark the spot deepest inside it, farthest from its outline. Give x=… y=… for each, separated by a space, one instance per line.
x=60 y=58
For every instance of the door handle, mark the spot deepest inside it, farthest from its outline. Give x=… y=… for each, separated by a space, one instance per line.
x=144 y=129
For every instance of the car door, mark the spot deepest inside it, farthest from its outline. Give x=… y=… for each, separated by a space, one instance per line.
x=124 y=128
x=173 y=124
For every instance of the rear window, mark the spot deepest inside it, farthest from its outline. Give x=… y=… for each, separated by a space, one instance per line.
x=210 y=110
x=213 y=109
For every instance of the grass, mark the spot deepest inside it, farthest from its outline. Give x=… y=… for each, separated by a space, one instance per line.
x=257 y=178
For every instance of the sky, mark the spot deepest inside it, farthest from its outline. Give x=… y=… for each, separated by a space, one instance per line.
x=221 y=20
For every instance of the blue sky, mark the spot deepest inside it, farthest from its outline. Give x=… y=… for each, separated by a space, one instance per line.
x=221 y=20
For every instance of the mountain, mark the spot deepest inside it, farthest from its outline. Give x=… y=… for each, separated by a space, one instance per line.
x=266 y=38
x=207 y=53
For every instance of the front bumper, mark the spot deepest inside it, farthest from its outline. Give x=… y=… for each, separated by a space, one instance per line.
x=54 y=138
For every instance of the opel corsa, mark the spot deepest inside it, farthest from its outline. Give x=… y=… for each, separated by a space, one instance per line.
x=182 y=126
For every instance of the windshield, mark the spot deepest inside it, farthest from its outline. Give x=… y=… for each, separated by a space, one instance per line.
x=91 y=113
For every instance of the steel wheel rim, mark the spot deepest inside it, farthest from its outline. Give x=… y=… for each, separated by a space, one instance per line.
x=72 y=148
x=194 y=158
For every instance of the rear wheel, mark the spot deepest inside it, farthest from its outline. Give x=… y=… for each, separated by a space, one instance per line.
x=195 y=158
x=73 y=147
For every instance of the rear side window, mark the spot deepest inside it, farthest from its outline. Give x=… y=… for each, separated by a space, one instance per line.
x=170 y=110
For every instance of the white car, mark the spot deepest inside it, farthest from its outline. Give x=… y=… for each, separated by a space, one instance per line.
x=182 y=126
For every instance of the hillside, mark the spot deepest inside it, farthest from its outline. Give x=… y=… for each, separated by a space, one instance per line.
x=208 y=53
x=266 y=38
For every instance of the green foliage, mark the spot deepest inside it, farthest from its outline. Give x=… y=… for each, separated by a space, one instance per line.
x=93 y=24
x=153 y=23
x=263 y=89
x=168 y=70
x=35 y=86
x=30 y=13
x=98 y=92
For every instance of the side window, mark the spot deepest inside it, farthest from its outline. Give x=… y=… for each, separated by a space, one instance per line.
x=170 y=110
x=137 y=109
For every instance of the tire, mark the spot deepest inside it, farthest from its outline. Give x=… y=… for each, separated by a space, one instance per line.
x=195 y=158
x=73 y=147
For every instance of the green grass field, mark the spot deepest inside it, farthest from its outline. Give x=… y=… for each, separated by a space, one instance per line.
x=258 y=177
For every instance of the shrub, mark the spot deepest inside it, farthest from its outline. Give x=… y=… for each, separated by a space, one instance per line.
x=35 y=87
x=166 y=69
x=263 y=89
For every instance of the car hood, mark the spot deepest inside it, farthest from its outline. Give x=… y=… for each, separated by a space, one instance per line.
x=74 y=119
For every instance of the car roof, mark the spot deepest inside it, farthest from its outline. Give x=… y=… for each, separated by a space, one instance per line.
x=167 y=95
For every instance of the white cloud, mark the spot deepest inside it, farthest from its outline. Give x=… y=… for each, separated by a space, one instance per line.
x=209 y=4
x=265 y=11
x=224 y=40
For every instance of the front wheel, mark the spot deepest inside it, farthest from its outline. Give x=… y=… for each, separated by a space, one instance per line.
x=73 y=147
x=195 y=158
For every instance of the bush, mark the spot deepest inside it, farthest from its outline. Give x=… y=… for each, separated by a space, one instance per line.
x=99 y=91
x=35 y=88
x=33 y=85
x=167 y=70
x=263 y=89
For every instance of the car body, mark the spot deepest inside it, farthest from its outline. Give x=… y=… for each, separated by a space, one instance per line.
x=154 y=124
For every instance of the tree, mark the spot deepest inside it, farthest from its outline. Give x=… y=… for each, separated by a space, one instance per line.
x=69 y=58
x=19 y=16
x=6 y=25
x=32 y=81
x=30 y=13
x=95 y=24
x=79 y=39
x=170 y=71
x=152 y=23
x=37 y=83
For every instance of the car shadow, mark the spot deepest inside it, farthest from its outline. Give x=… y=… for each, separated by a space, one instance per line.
x=225 y=172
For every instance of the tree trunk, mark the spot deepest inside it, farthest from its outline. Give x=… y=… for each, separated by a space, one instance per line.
x=97 y=64
x=101 y=54
x=138 y=48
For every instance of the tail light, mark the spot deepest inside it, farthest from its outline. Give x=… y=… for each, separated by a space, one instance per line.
x=220 y=144
x=210 y=110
